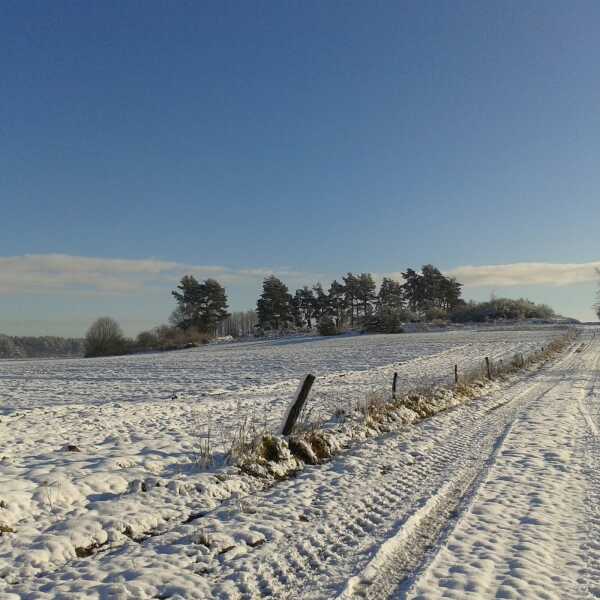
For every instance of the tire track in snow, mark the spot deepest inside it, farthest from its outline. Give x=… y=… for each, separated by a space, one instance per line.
x=549 y=466
x=333 y=544
x=589 y=406
x=354 y=534
x=402 y=556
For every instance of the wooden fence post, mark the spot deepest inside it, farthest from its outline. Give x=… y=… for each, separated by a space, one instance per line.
x=455 y=374
x=394 y=384
x=297 y=403
x=488 y=366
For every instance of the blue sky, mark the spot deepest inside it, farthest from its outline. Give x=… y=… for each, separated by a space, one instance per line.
x=140 y=140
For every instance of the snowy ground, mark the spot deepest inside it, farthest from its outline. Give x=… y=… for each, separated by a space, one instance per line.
x=359 y=526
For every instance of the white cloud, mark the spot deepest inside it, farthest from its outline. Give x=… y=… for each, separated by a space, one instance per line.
x=42 y=273
x=522 y=274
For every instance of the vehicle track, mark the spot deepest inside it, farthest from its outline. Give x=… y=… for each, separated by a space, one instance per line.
x=590 y=406
x=381 y=483
x=302 y=568
x=583 y=580
x=406 y=552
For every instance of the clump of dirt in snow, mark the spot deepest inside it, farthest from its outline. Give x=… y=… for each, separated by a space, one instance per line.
x=272 y=459
x=314 y=447
x=5 y=529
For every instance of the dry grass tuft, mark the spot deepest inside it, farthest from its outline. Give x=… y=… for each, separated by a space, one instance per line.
x=5 y=529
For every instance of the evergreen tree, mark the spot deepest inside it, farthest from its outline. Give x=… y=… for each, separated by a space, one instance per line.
x=200 y=305
x=187 y=313
x=366 y=293
x=351 y=294
x=274 y=305
x=390 y=296
x=337 y=302
x=296 y=310
x=452 y=292
x=322 y=305
x=214 y=306
x=430 y=290
x=305 y=301
x=413 y=289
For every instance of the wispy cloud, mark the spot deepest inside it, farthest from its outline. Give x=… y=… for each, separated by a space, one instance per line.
x=527 y=273
x=42 y=273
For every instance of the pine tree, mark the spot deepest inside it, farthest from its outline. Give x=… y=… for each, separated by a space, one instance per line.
x=337 y=302
x=213 y=306
x=305 y=300
x=452 y=291
x=200 y=305
x=413 y=289
x=322 y=304
x=430 y=290
x=390 y=296
x=366 y=293
x=296 y=310
x=188 y=302
x=274 y=305
x=351 y=293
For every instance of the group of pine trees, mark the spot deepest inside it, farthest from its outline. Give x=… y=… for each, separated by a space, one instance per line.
x=353 y=301
x=356 y=301
x=200 y=305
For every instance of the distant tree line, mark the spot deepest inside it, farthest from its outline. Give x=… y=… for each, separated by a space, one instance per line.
x=597 y=304
x=201 y=308
x=39 y=347
x=355 y=302
x=501 y=309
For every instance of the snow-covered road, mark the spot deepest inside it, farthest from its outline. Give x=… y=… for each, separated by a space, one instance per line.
x=497 y=498
x=519 y=520
x=528 y=529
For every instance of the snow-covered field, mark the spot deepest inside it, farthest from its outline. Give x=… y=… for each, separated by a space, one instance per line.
x=84 y=443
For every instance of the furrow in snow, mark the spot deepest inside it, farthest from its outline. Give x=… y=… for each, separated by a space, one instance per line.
x=522 y=533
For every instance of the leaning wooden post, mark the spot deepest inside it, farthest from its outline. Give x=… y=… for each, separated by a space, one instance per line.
x=455 y=374
x=488 y=366
x=296 y=406
x=394 y=384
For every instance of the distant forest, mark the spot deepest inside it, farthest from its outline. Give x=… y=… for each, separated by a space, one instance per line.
x=39 y=347
x=353 y=303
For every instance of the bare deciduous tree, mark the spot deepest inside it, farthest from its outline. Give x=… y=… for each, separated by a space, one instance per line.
x=104 y=337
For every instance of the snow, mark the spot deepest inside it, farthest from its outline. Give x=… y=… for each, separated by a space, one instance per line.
x=521 y=535
x=96 y=459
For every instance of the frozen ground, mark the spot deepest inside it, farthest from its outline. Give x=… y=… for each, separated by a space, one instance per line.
x=343 y=528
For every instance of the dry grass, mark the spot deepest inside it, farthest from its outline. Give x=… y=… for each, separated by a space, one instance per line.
x=315 y=440
x=5 y=529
